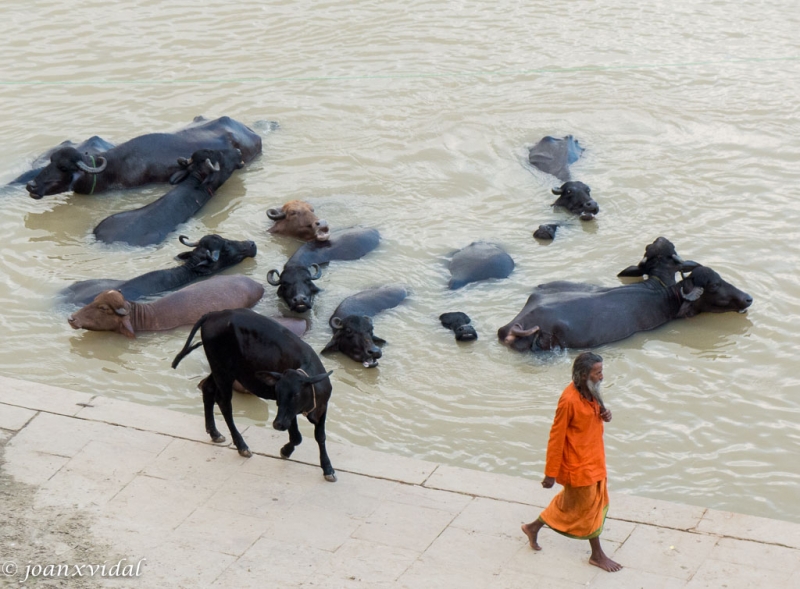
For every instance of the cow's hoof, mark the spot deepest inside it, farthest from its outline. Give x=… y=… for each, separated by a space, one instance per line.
x=286 y=451
x=217 y=439
x=331 y=478
x=245 y=452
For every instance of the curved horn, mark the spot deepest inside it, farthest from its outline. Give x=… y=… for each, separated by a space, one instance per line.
x=336 y=322
x=517 y=330
x=184 y=162
x=315 y=270
x=214 y=166
x=276 y=214
x=185 y=241
x=274 y=281
x=693 y=294
x=557 y=191
x=93 y=170
x=317 y=377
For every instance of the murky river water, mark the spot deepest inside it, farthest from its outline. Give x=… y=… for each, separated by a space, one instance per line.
x=414 y=118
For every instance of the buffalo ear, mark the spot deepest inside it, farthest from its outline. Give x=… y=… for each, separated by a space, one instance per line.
x=331 y=346
x=631 y=271
x=268 y=377
x=688 y=266
x=378 y=340
x=184 y=256
x=178 y=176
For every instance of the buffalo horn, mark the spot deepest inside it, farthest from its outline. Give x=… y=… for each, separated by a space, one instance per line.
x=315 y=270
x=184 y=162
x=274 y=277
x=557 y=191
x=336 y=322
x=276 y=214
x=212 y=165
x=517 y=330
x=185 y=241
x=93 y=170
x=693 y=294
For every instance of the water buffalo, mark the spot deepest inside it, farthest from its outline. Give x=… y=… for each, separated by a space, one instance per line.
x=344 y=244
x=211 y=254
x=352 y=323
x=546 y=232
x=272 y=363
x=660 y=262
x=458 y=322
x=198 y=180
x=576 y=198
x=573 y=315
x=554 y=155
x=295 y=285
x=111 y=312
x=142 y=160
x=297 y=219
x=478 y=261
x=94 y=145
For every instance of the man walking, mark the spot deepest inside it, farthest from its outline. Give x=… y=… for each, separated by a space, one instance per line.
x=576 y=458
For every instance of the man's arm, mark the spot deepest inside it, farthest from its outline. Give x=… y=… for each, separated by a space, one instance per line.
x=555 y=445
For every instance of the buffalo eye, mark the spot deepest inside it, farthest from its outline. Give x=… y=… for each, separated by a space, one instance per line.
x=63 y=168
x=104 y=308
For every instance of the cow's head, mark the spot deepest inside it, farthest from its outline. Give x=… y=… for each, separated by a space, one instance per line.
x=576 y=198
x=109 y=311
x=67 y=166
x=295 y=393
x=211 y=167
x=353 y=337
x=213 y=253
x=459 y=323
x=660 y=260
x=704 y=291
x=517 y=337
x=295 y=285
x=297 y=219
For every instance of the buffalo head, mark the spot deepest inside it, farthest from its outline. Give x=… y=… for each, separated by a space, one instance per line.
x=213 y=253
x=353 y=337
x=212 y=167
x=704 y=291
x=459 y=323
x=295 y=393
x=661 y=261
x=297 y=219
x=109 y=311
x=576 y=198
x=295 y=285
x=67 y=166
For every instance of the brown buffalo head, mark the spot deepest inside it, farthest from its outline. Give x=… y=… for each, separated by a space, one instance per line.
x=109 y=311
x=297 y=219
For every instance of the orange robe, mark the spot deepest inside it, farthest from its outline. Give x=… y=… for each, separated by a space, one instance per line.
x=576 y=459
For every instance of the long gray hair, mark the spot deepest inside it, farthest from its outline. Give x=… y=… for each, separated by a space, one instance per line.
x=583 y=366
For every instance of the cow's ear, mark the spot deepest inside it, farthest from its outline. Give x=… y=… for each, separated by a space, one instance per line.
x=378 y=340
x=631 y=271
x=332 y=346
x=178 y=176
x=270 y=378
x=184 y=255
x=688 y=266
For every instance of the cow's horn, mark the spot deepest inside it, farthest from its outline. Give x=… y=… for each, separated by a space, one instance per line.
x=557 y=191
x=517 y=330
x=276 y=214
x=185 y=241
x=336 y=322
x=271 y=277
x=214 y=166
x=693 y=294
x=317 y=271
x=93 y=170
x=184 y=162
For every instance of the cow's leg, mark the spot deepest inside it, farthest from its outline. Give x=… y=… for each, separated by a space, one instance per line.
x=294 y=439
x=209 y=397
x=224 y=397
x=324 y=461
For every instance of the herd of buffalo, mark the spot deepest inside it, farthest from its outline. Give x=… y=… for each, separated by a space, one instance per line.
x=267 y=355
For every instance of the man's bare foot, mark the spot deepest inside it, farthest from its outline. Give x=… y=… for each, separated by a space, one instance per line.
x=605 y=563
x=532 y=532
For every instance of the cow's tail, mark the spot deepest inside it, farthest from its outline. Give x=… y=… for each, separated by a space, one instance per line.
x=187 y=349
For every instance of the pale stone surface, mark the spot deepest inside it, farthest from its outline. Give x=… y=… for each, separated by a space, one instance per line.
x=370 y=563
x=221 y=531
x=14 y=418
x=403 y=526
x=492 y=485
x=655 y=512
x=713 y=574
x=41 y=397
x=749 y=527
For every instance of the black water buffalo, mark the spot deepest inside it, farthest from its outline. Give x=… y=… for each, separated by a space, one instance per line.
x=272 y=363
x=198 y=180
x=352 y=323
x=297 y=219
x=554 y=155
x=94 y=145
x=576 y=198
x=141 y=160
x=346 y=244
x=661 y=262
x=459 y=323
x=573 y=315
x=296 y=285
x=109 y=311
x=211 y=254
x=478 y=261
x=546 y=232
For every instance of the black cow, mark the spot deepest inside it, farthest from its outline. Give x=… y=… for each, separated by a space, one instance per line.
x=478 y=261
x=459 y=323
x=94 y=145
x=271 y=362
x=211 y=254
x=352 y=323
x=295 y=285
x=546 y=232
x=661 y=262
x=576 y=198
x=554 y=155
x=141 y=160
x=574 y=315
x=345 y=244
x=198 y=180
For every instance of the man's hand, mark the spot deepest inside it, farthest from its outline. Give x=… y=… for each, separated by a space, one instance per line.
x=548 y=482
x=605 y=415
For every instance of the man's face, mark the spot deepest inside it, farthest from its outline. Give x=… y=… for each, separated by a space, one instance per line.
x=596 y=373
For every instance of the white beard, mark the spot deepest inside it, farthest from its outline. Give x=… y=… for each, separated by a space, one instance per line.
x=595 y=388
